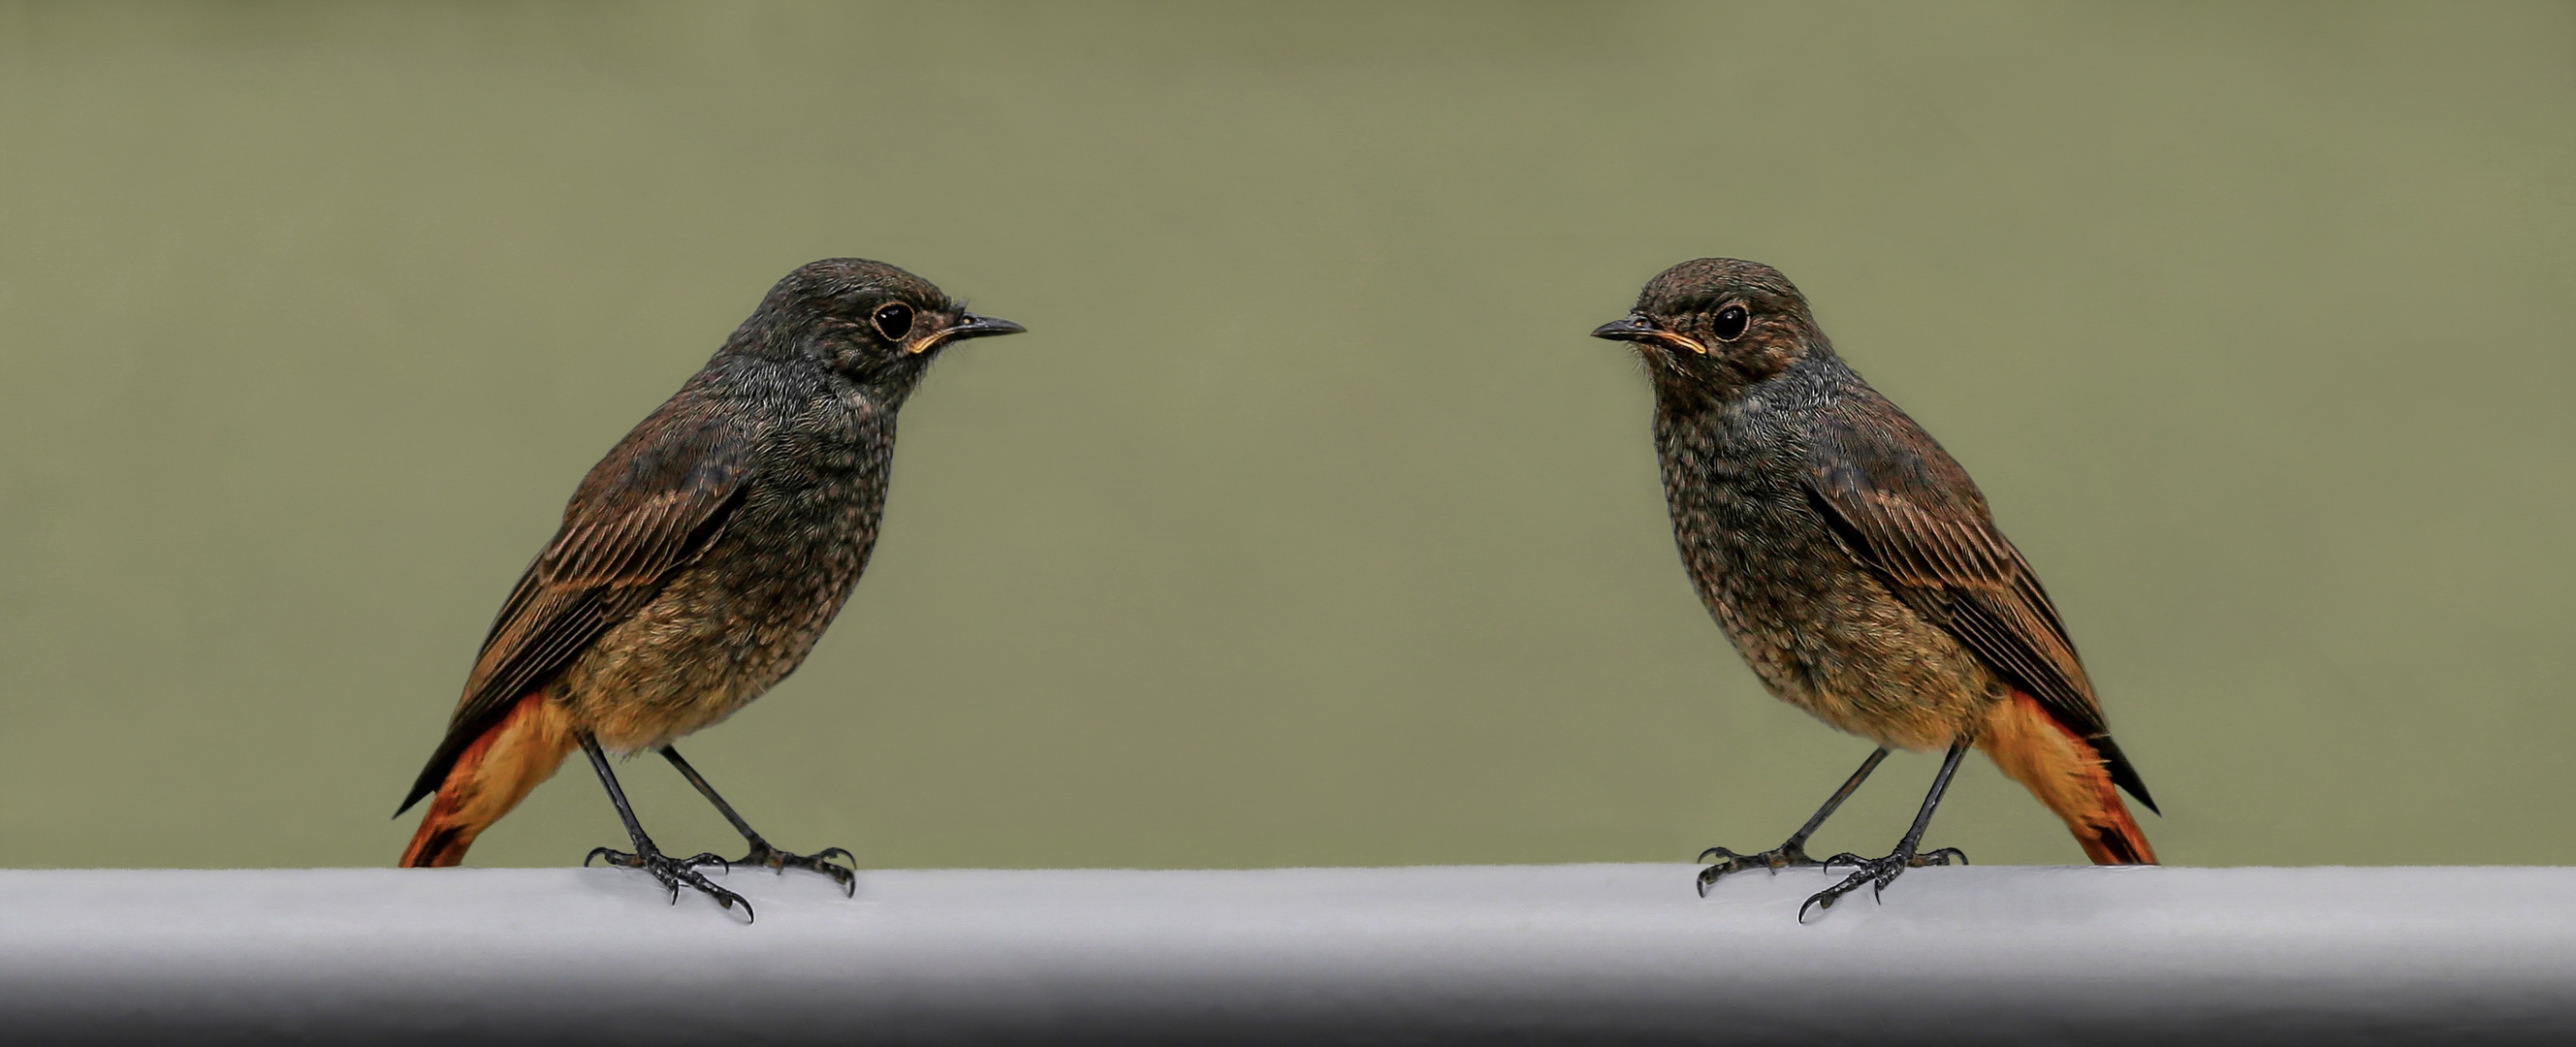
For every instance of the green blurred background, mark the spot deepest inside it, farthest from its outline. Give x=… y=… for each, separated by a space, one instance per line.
x=1306 y=527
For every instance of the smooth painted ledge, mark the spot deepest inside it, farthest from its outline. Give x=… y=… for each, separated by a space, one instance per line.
x=1485 y=954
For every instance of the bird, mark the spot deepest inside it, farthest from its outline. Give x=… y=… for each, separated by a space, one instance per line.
x=1858 y=570
x=697 y=564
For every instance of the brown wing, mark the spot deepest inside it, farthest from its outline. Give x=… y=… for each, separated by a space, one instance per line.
x=651 y=506
x=1908 y=511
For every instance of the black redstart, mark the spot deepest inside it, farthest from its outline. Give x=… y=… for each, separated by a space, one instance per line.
x=1856 y=568
x=698 y=562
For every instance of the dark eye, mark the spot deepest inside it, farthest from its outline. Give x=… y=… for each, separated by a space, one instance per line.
x=1730 y=323
x=894 y=320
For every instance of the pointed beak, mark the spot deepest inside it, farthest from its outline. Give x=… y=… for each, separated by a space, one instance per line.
x=968 y=325
x=1635 y=328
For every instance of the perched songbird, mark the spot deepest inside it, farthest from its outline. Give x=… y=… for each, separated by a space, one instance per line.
x=1856 y=568
x=698 y=562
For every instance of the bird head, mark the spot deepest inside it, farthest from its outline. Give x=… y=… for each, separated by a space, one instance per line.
x=868 y=321
x=1717 y=324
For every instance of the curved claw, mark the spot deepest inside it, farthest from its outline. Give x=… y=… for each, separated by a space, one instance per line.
x=847 y=878
x=762 y=854
x=1708 y=876
x=1878 y=873
x=723 y=898
x=674 y=874
x=1826 y=898
x=680 y=873
x=1789 y=855
x=728 y=899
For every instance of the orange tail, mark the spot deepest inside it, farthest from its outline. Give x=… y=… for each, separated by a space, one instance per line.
x=2068 y=776
x=491 y=776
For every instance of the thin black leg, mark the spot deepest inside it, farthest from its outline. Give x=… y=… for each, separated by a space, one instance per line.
x=1880 y=872
x=709 y=791
x=616 y=794
x=1932 y=799
x=1793 y=852
x=672 y=873
x=1798 y=840
x=761 y=852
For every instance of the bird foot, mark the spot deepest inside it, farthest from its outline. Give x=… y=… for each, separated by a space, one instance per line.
x=674 y=873
x=1791 y=855
x=1877 y=872
x=762 y=854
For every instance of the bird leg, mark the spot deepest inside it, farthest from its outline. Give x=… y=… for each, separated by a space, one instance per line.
x=1879 y=872
x=761 y=852
x=1794 y=852
x=672 y=872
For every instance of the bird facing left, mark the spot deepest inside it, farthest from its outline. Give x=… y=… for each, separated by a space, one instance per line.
x=698 y=563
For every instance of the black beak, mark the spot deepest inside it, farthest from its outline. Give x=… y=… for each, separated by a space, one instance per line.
x=1631 y=329
x=968 y=325
x=1635 y=328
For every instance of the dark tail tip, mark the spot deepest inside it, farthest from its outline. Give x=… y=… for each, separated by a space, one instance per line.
x=435 y=774
x=2122 y=774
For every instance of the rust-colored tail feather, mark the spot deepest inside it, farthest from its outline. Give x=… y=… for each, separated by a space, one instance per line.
x=2066 y=774
x=490 y=776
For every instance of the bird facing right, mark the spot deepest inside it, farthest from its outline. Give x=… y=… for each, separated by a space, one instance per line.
x=698 y=563
x=1857 y=570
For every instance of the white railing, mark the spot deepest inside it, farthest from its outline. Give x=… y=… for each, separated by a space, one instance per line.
x=1605 y=953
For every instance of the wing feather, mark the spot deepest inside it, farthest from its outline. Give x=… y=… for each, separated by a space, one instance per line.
x=1908 y=511
x=652 y=505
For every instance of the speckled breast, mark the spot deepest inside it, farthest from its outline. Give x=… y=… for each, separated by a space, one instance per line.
x=1817 y=627
x=731 y=624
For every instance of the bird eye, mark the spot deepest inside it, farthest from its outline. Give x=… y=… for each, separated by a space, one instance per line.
x=1730 y=323
x=894 y=320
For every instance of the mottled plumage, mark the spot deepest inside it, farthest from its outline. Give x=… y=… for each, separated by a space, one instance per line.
x=1851 y=561
x=701 y=559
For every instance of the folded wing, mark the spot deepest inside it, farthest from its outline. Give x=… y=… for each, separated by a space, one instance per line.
x=654 y=504
x=1906 y=510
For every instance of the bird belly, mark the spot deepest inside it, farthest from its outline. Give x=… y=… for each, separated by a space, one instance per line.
x=1824 y=635
x=1868 y=669
x=721 y=633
